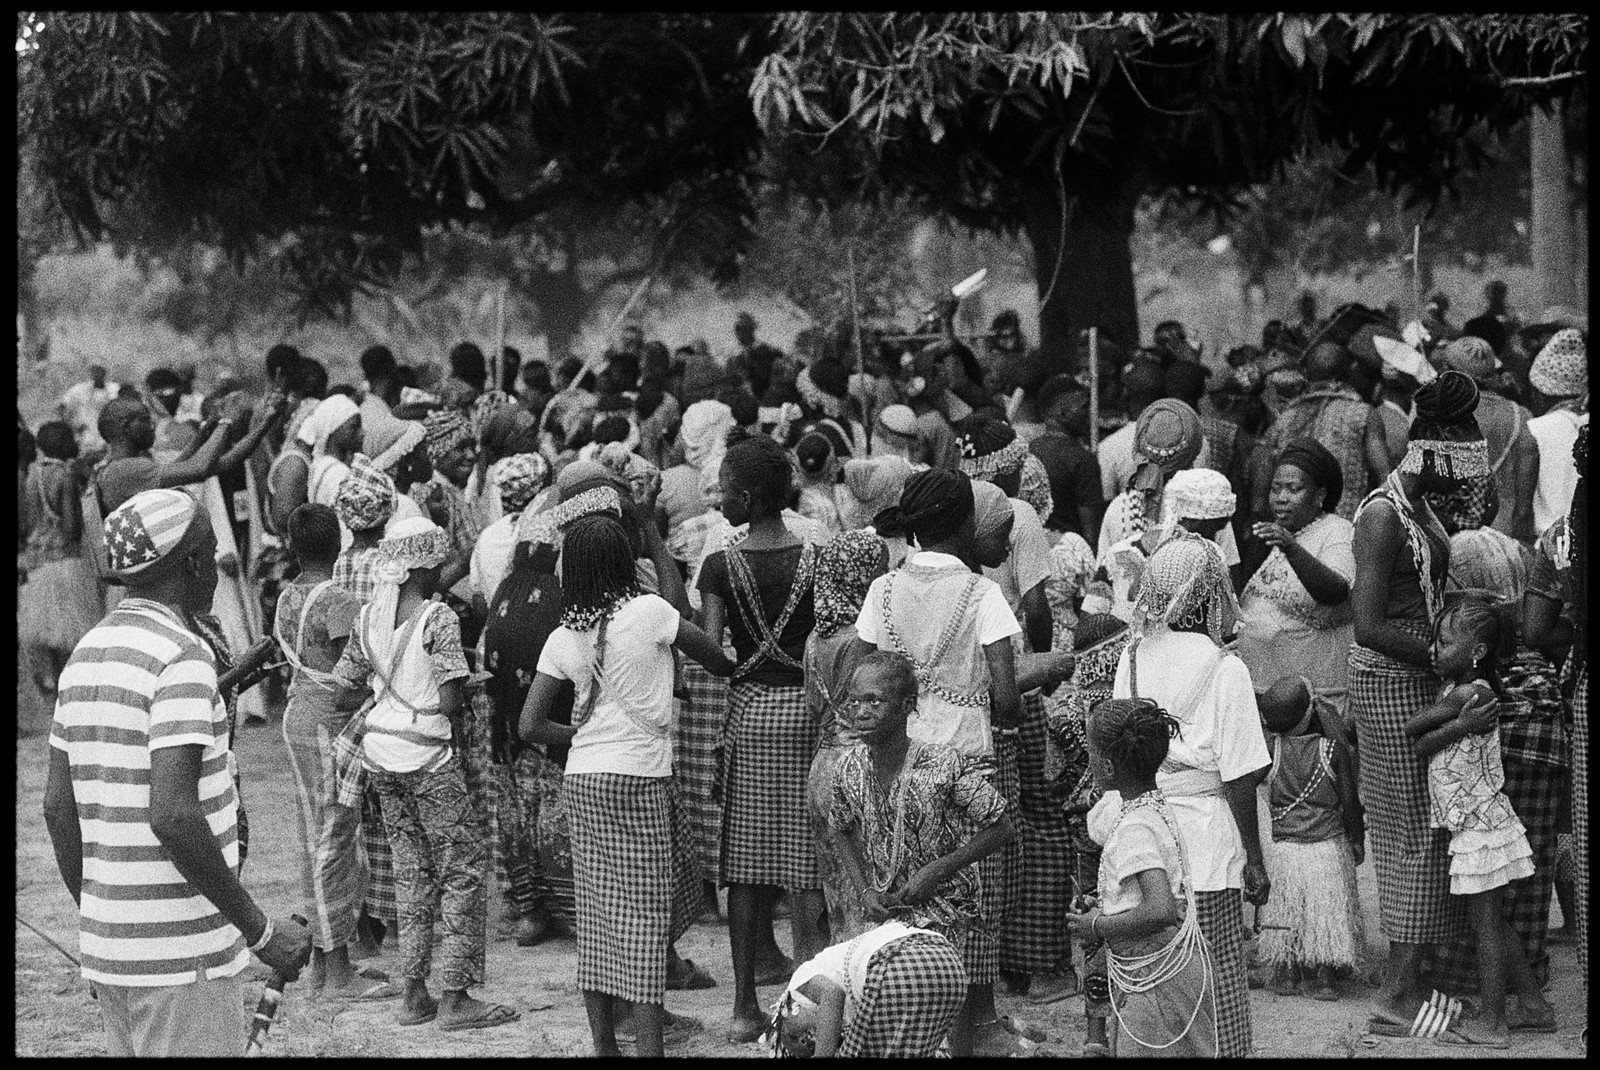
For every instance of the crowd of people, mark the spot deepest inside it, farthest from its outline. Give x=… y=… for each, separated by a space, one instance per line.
x=886 y=636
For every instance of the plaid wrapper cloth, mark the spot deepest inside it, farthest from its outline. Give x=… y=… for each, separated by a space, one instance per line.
x=437 y=838
x=1221 y=918
x=379 y=898
x=914 y=988
x=1580 y=812
x=1411 y=860
x=695 y=760
x=1035 y=938
x=767 y=746
x=622 y=870
x=1533 y=752
x=1002 y=871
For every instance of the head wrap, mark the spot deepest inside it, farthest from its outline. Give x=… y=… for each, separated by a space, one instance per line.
x=641 y=476
x=1035 y=489
x=1401 y=359
x=1168 y=435
x=875 y=484
x=846 y=566
x=990 y=448
x=933 y=506
x=1199 y=494
x=990 y=506
x=519 y=477
x=1561 y=369
x=704 y=430
x=1445 y=427
x=443 y=431
x=572 y=500
x=147 y=527
x=825 y=397
x=1470 y=355
x=1097 y=644
x=1185 y=583
x=407 y=436
x=366 y=498
x=331 y=413
x=898 y=420
x=1490 y=560
x=415 y=542
x=1320 y=466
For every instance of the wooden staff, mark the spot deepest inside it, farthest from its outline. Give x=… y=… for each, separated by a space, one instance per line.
x=1416 y=269
x=1094 y=387
x=499 y=337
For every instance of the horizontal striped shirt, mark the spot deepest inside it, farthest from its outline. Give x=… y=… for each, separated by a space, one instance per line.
x=141 y=680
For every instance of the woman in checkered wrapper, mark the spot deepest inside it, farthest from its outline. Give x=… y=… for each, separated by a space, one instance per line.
x=615 y=645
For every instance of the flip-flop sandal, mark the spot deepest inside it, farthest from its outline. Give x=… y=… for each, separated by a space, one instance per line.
x=376 y=992
x=499 y=1014
x=1454 y=1038
x=1436 y=1015
x=690 y=979
x=417 y=1019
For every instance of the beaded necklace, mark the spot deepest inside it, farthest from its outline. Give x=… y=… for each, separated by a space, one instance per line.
x=925 y=672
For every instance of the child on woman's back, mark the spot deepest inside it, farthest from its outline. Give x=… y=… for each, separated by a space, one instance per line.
x=1313 y=920
x=1459 y=736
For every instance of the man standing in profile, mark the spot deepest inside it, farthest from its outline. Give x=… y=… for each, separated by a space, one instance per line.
x=141 y=805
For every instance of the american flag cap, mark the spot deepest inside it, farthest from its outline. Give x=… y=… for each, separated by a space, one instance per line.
x=146 y=527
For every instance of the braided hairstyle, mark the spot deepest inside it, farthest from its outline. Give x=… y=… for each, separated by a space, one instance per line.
x=597 y=572
x=1488 y=619
x=1134 y=733
x=760 y=467
x=1578 y=524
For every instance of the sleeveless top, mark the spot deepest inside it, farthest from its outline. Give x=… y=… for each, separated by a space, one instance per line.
x=1303 y=794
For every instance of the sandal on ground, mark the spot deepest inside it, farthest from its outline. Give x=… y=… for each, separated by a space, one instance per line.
x=1435 y=1016
x=1466 y=1035
x=689 y=977
x=404 y=1018
x=675 y=1028
x=491 y=1016
x=373 y=992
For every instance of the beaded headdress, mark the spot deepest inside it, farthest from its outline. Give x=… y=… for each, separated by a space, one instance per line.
x=1185 y=583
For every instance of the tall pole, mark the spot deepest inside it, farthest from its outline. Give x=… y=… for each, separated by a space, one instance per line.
x=1094 y=387
x=499 y=337
x=855 y=349
x=1416 y=269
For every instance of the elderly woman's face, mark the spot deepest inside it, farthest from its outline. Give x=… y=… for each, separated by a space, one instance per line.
x=1295 y=500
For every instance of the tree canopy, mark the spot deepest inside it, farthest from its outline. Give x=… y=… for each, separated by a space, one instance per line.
x=1056 y=124
x=337 y=141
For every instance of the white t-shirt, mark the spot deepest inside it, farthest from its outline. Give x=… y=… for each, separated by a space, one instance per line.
x=1138 y=842
x=965 y=729
x=1115 y=454
x=1029 y=563
x=1555 y=432
x=630 y=730
x=491 y=556
x=1219 y=730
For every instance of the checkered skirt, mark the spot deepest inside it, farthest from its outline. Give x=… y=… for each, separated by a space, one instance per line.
x=381 y=901
x=1221 y=919
x=1412 y=861
x=1035 y=937
x=1580 y=813
x=622 y=872
x=767 y=747
x=694 y=761
x=914 y=988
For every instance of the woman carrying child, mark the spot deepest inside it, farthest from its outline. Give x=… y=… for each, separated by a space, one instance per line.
x=615 y=645
x=1162 y=986
x=407 y=649
x=1458 y=736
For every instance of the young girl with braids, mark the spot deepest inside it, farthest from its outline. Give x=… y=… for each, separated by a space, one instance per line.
x=761 y=588
x=1160 y=965
x=1458 y=736
x=615 y=645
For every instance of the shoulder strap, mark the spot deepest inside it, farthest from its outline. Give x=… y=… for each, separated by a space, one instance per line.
x=1516 y=433
x=401 y=645
x=291 y=651
x=755 y=615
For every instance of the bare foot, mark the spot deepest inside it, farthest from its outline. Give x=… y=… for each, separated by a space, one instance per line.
x=743 y=1028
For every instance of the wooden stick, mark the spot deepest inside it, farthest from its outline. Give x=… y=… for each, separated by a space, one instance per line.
x=499 y=336
x=1416 y=269
x=1094 y=387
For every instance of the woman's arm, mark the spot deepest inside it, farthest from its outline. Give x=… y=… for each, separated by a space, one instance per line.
x=1005 y=701
x=830 y=1017
x=452 y=698
x=1037 y=623
x=1042 y=670
x=1379 y=539
x=1433 y=716
x=669 y=581
x=925 y=881
x=1351 y=813
x=535 y=725
x=1322 y=583
x=699 y=646
x=1157 y=910
x=1543 y=626
x=1480 y=714
x=713 y=614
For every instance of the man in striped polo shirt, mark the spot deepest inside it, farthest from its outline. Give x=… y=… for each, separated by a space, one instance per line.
x=141 y=806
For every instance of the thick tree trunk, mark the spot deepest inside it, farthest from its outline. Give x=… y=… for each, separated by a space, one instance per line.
x=1551 y=229
x=1084 y=270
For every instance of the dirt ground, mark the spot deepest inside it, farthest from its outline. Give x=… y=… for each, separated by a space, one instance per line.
x=56 y=1017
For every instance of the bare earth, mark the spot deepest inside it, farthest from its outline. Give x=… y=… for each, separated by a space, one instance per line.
x=55 y=1015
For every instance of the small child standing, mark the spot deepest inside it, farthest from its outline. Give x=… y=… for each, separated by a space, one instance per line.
x=1313 y=920
x=407 y=647
x=1460 y=738
x=615 y=645
x=1162 y=992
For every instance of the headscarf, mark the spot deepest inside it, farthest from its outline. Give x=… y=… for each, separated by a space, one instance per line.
x=572 y=500
x=443 y=431
x=366 y=497
x=1168 y=435
x=1185 y=583
x=147 y=527
x=990 y=507
x=1446 y=428
x=391 y=450
x=846 y=566
x=933 y=506
x=331 y=413
x=1197 y=494
x=519 y=477
x=486 y=405
x=898 y=420
x=1470 y=355
x=642 y=476
x=876 y=484
x=990 y=448
x=1320 y=466
x=1561 y=370
x=1035 y=488
x=415 y=542
x=704 y=430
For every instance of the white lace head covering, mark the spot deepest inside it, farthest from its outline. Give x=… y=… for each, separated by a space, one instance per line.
x=1185 y=583
x=1196 y=494
x=415 y=542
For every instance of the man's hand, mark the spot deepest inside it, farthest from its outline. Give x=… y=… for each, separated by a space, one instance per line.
x=289 y=949
x=1257 y=886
